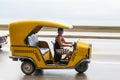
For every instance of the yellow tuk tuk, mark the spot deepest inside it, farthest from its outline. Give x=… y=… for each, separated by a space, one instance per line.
x=35 y=54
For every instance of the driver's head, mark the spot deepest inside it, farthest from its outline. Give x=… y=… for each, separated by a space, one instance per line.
x=60 y=31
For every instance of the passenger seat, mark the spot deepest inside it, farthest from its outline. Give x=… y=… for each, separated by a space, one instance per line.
x=33 y=41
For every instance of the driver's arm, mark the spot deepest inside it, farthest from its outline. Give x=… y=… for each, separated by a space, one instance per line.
x=66 y=42
x=61 y=43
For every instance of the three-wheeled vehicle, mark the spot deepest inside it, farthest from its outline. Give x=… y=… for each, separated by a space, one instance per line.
x=35 y=54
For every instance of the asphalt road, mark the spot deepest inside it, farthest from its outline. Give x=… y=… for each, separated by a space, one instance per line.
x=98 y=70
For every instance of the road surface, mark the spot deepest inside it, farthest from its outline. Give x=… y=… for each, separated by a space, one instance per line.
x=105 y=65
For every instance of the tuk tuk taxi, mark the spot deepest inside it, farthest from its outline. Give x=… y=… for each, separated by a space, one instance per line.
x=35 y=54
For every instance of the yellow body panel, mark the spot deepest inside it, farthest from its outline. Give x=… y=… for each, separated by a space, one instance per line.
x=48 y=56
x=32 y=53
x=79 y=54
x=29 y=52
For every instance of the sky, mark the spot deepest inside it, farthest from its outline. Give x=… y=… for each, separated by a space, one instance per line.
x=90 y=12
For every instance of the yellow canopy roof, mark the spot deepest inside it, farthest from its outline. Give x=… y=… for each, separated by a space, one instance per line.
x=41 y=22
x=19 y=30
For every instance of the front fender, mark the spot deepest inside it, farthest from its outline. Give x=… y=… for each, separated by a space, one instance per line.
x=83 y=61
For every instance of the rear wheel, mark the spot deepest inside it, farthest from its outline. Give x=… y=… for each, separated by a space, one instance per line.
x=27 y=67
x=0 y=46
x=82 y=67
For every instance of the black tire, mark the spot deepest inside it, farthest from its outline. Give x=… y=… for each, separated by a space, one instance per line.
x=82 y=67
x=0 y=46
x=27 y=67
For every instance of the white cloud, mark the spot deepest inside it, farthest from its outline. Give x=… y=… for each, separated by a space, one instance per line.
x=61 y=9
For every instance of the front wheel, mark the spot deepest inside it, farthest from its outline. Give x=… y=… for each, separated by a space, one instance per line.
x=27 y=67
x=82 y=67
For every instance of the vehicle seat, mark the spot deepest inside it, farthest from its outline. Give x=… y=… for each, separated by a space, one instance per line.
x=57 y=57
x=33 y=41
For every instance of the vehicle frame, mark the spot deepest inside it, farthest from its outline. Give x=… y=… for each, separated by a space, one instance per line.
x=32 y=57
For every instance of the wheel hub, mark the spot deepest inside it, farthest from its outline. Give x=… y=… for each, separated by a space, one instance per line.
x=27 y=68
